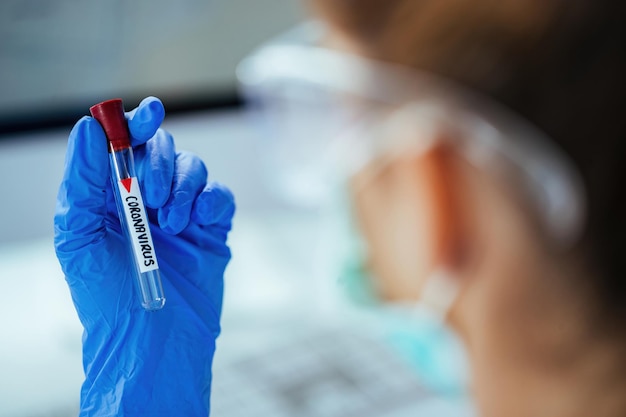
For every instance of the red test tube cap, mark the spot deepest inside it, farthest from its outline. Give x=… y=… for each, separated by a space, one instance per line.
x=110 y=115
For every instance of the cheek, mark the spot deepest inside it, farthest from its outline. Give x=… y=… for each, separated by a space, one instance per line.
x=393 y=219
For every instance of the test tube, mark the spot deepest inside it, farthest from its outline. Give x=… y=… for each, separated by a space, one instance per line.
x=130 y=206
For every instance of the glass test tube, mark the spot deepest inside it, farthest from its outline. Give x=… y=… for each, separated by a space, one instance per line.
x=130 y=206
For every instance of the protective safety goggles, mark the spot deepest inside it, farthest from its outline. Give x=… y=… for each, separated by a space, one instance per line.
x=330 y=115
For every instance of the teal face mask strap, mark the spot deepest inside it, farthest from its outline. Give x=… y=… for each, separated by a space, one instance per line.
x=353 y=277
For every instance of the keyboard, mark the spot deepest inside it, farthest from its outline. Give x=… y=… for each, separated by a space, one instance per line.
x=325 y=374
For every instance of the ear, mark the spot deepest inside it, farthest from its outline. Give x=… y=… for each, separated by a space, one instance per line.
x=411 y=218
x=442 y=168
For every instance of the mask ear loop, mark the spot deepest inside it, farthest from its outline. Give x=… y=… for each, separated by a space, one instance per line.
x=439 y=293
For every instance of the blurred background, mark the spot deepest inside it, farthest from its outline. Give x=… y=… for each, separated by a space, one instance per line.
x=58 y=57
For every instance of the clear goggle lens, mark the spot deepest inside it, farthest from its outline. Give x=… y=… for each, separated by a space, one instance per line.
x=331 y=114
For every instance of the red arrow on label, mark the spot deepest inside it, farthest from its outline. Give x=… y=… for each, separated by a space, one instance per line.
x=126 y=182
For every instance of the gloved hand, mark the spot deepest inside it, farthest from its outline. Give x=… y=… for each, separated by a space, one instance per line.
x=140 y=363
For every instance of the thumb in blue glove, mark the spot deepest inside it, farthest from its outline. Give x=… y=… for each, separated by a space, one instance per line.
x=138 y=363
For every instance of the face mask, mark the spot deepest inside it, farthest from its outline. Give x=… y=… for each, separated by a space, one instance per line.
x=416 y=331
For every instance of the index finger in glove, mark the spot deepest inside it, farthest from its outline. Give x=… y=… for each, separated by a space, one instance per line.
x=189 y=179
x=214 y=206
x=81 y=201
x=145 y=120
x=155 y=162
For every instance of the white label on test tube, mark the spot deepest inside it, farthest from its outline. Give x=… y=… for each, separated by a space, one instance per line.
x=138 y=225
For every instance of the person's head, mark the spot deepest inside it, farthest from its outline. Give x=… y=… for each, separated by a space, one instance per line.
x=525 y=308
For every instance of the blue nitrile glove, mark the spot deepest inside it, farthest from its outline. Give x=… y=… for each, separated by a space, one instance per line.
x=140 y=363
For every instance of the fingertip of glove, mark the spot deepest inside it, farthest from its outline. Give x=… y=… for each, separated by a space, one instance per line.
x=204 y=210
x=173 y=220
x=216 y=205
x=144 y=121
x=156 y=197
x=86 y=125
x=155 y=106
x=87 y=143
